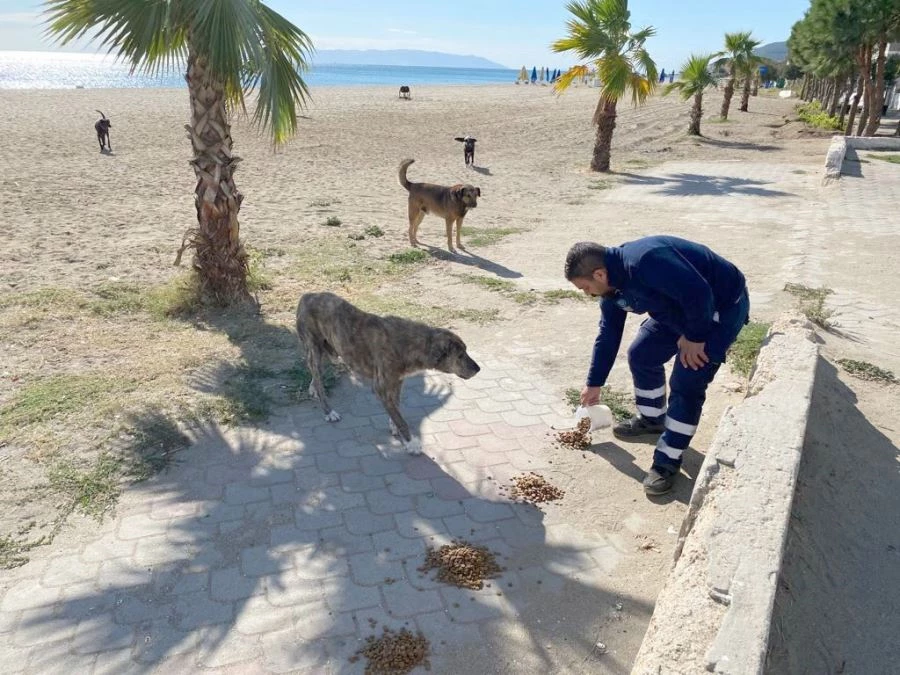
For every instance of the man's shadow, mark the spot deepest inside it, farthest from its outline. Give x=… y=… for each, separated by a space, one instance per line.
x=628 y=464
x=483 y=170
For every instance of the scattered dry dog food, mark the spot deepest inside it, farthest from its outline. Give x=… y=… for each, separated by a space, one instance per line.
x=580 y=437
x=462 y=564
x=534 y=488
x=394 y=653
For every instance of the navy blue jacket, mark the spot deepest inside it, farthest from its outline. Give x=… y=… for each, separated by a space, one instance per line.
x=679 y=283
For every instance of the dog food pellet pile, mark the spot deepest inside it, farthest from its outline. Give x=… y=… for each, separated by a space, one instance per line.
x=531 y=487
x=394 y=653
x=580 y=437
x=462 y=564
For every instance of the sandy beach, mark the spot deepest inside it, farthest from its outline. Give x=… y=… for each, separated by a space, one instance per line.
x=70 y=211
x=87 y=236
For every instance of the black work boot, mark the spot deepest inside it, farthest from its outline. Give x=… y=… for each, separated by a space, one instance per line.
x=637 y=428
x=659 y=480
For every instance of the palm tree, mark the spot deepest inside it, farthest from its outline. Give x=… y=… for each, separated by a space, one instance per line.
x=230 y=49
x=738 y=49
x=695 y=77
x=750 y=70
x=600 y=30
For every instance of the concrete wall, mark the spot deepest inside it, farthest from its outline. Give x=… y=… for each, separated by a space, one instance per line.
x=714 y=612
x=834 y=159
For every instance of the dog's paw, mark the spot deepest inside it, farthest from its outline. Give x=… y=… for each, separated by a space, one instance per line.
x=333 y=416
x=413 y=446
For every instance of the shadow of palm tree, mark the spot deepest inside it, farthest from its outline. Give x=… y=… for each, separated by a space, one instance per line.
x=280 y=546
x=740 y=145
x=697 y=185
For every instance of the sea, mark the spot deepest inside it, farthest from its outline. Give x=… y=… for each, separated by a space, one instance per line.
x=66 y=70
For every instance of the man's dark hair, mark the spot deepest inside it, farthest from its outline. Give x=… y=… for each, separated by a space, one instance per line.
x=583 y=258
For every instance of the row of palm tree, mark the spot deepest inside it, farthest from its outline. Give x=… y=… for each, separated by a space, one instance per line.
x=841 y=47
x=600 y=31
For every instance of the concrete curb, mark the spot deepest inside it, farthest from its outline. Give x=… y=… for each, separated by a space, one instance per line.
x=714 y=611
x=834 y=159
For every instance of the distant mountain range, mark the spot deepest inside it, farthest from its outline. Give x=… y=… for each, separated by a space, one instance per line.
x=776 y=51
x=400 y=57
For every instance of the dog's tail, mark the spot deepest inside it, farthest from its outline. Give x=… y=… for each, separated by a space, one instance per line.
x=101 y=113
x=404 y=165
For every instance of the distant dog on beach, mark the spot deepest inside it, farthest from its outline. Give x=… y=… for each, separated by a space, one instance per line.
x=468 y=149
x=404 y=92
x=102 y=126
x=384 y=350
x=450 y=203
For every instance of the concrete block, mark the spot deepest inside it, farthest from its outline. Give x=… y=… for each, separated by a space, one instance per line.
x=714 y=611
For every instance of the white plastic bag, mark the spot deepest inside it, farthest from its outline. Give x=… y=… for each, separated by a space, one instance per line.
x=600 y=416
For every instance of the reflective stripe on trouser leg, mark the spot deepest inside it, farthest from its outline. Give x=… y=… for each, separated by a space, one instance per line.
x=654 y=345
x=688 y=393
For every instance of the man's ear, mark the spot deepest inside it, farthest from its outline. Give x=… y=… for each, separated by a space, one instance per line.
x=599 y=274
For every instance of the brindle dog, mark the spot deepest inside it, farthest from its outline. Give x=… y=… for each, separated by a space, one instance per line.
x=384 y=350
x=450 y=203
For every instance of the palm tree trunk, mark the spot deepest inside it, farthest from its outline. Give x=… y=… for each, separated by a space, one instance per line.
x=877 y=101
x=696 y=115
x=605 y=117
x=745 y=95
x=726 y=102
x=754 y=91
x=804 y=88
x=220 y=260
x=848 y=131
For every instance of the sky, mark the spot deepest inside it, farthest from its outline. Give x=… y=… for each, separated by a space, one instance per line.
x=500 y=30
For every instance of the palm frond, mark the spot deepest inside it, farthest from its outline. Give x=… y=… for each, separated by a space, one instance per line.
x=567 y=78
x=149 y=34
x=286 y=52
x=694 y=77
x=600 y=30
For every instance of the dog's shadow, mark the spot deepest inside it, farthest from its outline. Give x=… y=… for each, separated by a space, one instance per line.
x=483 y=170
x=472 y=260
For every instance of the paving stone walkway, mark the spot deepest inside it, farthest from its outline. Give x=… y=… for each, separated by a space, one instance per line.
x=280 y=550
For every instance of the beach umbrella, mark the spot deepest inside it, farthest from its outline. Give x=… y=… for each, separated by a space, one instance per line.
x=523 y=74
x=662 y=75
x=534 y=73
x=541 y=76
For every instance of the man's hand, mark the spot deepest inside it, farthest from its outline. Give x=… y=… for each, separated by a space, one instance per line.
x=691 y=354
x=590 y=396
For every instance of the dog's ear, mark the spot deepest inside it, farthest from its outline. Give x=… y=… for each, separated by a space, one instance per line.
x=478 y=191
x=457 y=190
